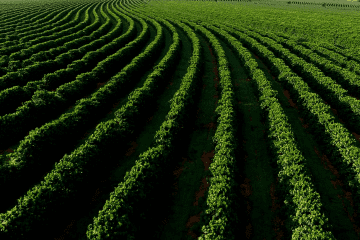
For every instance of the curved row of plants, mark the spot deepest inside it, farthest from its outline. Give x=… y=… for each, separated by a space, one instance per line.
x=16 y=27
x=38 y=28
x=346 y=58
x=26 y=57
x=25 y=16
x=45 y=103
x=16 y=49
x=11 y=13
x=127 y=212
x=346 y=76
x=326 y=231
x=335 y=140
x=50 y=21
x=56 y=37
x=290 y=174
x=15 y=61
x=136 y=102
x=15 y=24
x=352 y=54
x=134 y=203
x=52 y=71
x=225 y=136
x=339 y=59
x=77 y=42
x=348 y=107
x=61 y=193
x=294 y=177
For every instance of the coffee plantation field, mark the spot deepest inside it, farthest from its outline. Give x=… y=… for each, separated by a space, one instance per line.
x=155 y=119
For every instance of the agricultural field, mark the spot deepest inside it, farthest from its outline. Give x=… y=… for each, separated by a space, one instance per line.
x=132 y=119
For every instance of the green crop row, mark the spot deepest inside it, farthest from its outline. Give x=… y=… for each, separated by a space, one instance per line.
x=77 y=42
x=332 y=92
x=61 y=26
x=83 y=163
x=12 y=97
x=16 y=62
x=16 y=48
x=50 y=135
x=15 y=51
x=345 y=77
x=335 y=140
x=58 y=21
x=337 y=58
x=352 y=55
x=219 y=219
x=52 y=19
x=45 y=105
x=341 y=57
x=132 y=202
x=19 y=14
x=6 y=29
x=291 y=164
x=59 y=36
x=303 y=210
x=27 y=19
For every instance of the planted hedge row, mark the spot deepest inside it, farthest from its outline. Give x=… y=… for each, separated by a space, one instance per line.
x=291 y=161
x=20 y=64
x=352 y=54
x=337 y=58
x=64 y=188
x=15 y=50
x=77 y=42
x=132 y=204
x=18 y=14
x=332 y=92
x=11 y=37
x=53 y=80
x=28 y=13
x=220 y=219
x=47 y=29
x=70 y=126
x=69 y=122
x=9 y=32
x=45 y=105
x=344 y=77
x=52 y=20
x=12 y=97
x=59 y=36
x=334 y=139
x=61 y=194
x=26 y=20
x=304 y=215
x=142 y=99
